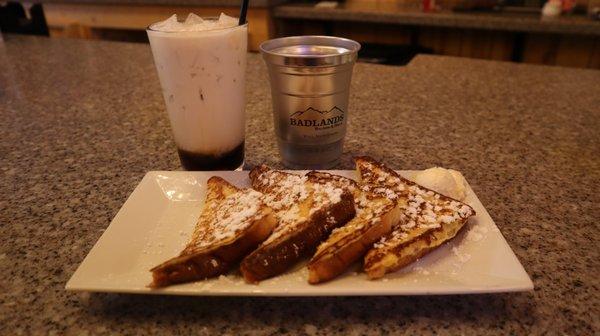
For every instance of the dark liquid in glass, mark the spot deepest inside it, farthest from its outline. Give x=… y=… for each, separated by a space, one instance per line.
x=225 y=161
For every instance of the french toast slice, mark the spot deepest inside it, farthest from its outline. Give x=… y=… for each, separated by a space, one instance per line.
x=428 y=219
x=376 y=215
x=306 y=212
x=233 y=222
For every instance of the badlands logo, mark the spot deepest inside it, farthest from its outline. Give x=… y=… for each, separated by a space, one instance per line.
x=312 y=117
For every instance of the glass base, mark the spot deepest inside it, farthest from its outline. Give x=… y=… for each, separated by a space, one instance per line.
x=232 y=160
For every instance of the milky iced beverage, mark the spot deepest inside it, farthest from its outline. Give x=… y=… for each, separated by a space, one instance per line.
x=201 y=65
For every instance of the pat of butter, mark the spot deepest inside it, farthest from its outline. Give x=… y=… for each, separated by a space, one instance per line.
x=447 y=182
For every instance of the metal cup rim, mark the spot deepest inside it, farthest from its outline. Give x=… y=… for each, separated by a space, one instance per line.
x=266 y=48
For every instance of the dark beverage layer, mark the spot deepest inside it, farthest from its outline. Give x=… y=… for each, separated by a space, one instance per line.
x=226 y=161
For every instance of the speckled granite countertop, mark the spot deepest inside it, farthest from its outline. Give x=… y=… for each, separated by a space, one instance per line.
x=252 y=3
x=81 y=122
x=392 y=13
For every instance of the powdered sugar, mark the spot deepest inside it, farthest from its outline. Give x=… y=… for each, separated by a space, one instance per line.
x=284 y=189
x=463 y=257
x=477 y=233
x=327 y=193
x=227 y=217
x=396 y=235
x=370 y=204
x=285 y=193
x=421 y=270
x=423 y=208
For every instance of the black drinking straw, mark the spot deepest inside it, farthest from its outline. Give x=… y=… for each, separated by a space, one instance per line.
x=243 y=12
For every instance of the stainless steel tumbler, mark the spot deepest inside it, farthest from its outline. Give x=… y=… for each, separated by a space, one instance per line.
x=310 y=83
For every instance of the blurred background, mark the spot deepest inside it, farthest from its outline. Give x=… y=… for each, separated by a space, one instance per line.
x=555 y=32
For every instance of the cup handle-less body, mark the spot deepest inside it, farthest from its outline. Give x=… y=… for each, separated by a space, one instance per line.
x=310 y=106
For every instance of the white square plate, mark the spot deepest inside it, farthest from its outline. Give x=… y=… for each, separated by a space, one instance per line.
x=156 y=221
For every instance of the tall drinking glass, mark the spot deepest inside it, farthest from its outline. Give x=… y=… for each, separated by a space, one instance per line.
x=202 y=73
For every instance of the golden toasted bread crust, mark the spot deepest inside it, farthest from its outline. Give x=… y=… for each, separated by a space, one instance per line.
x=200 y=260
x=279 y=256
x=279 y=253
x=380 y=261
x=334 y=261
x=375 y=217
x=360 y=160
x=429 y=219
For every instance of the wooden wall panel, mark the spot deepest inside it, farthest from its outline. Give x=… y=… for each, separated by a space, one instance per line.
x=564 y=50
x=373 y=33
x=501 y=46
x=434 y=39
x=595 y=55
x=468 y=43
x=312 y=28
x=574 y=51
x=540 y=48
x=446 y=4
x=549 y=49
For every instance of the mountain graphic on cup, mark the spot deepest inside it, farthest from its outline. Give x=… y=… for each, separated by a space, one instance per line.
x=313 y=117
x=313 y=111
